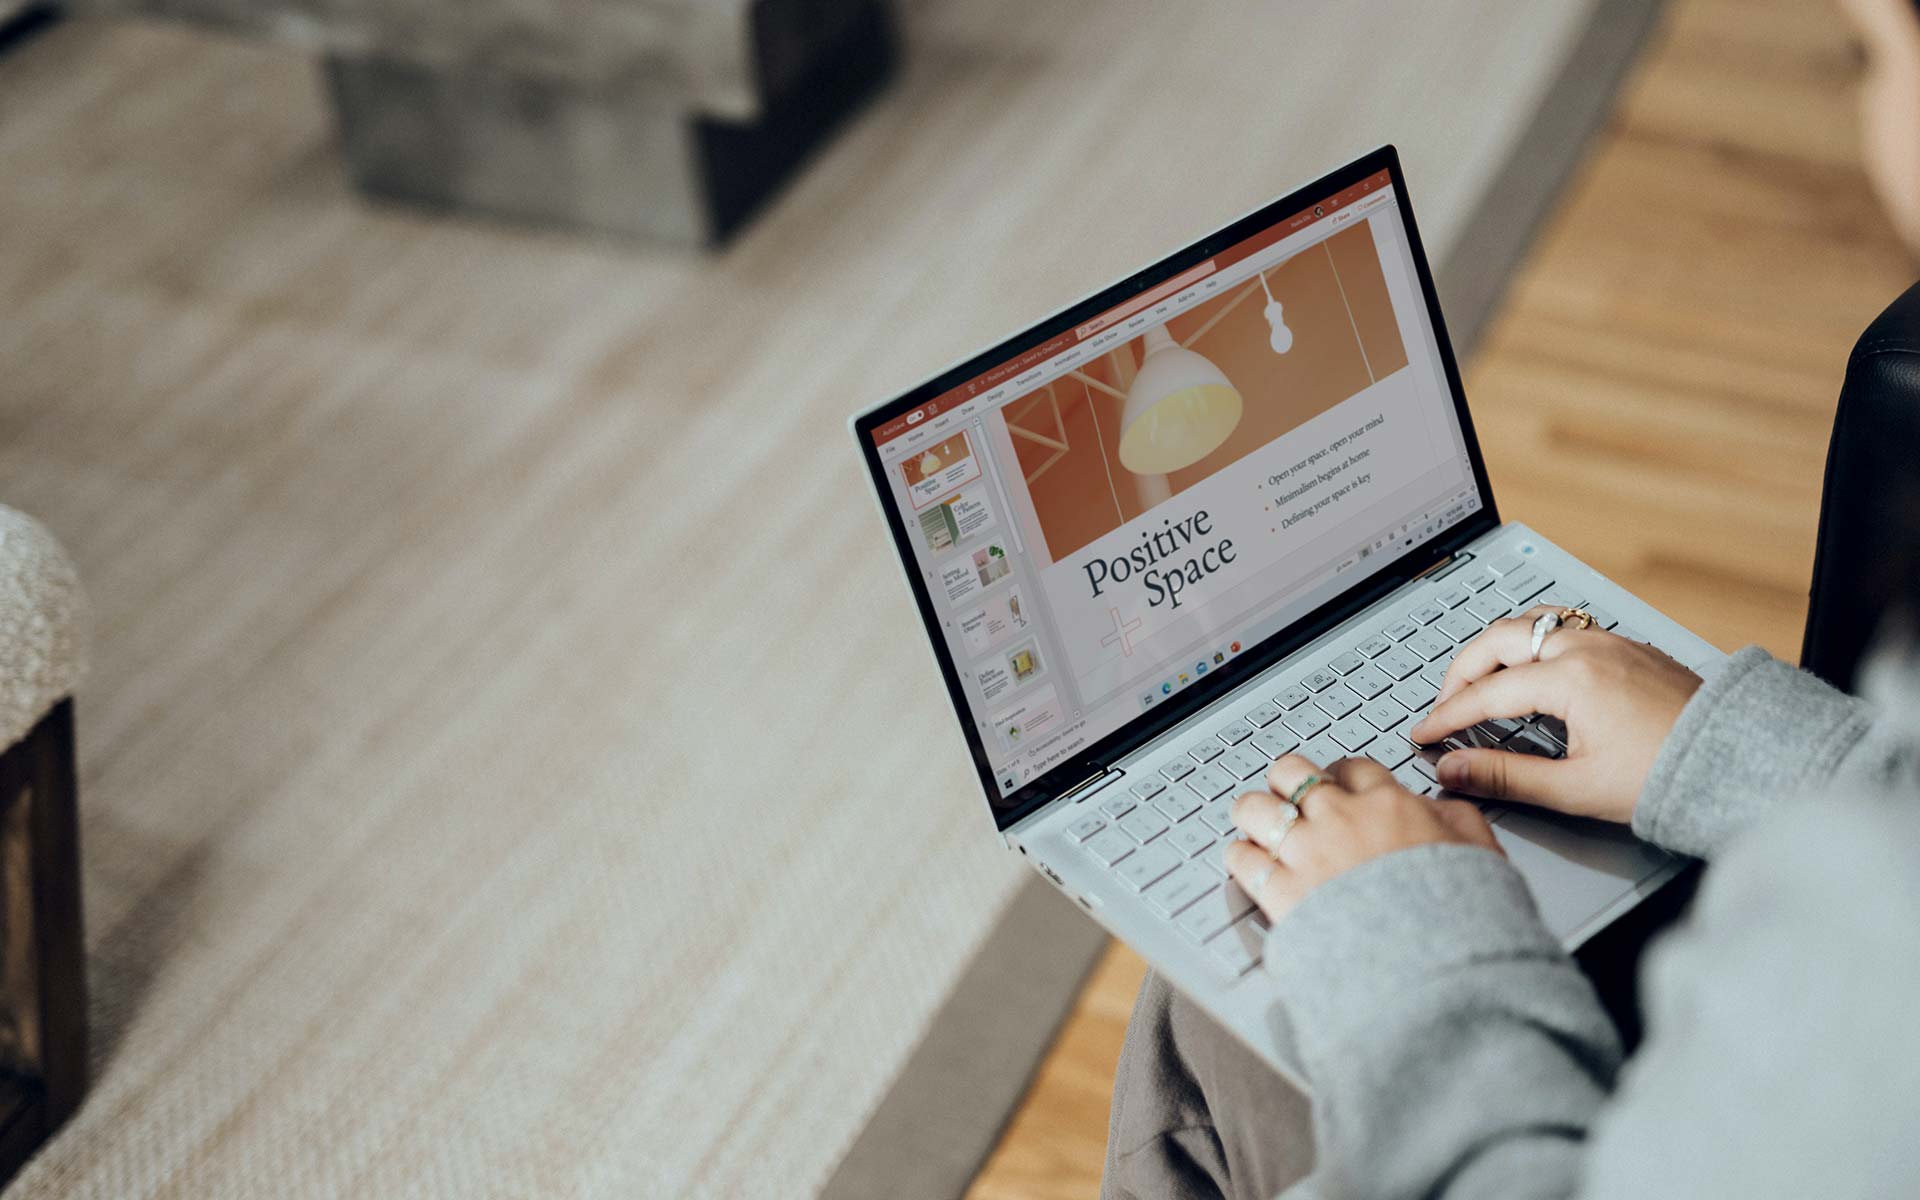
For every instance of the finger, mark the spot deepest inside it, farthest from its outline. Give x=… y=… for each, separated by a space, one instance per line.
x=1466 y=819
x=1507 y=642
x=1357 y=774
x=1289 y=771
x=1519 y=691
x=1268 y=882
x=1505 y=775
x=1265 y=818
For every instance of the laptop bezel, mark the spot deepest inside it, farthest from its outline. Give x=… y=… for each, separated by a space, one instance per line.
x=1154 y=722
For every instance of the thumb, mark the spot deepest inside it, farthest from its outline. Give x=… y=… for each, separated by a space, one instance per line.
x=1505 y=775
x=1469 y=822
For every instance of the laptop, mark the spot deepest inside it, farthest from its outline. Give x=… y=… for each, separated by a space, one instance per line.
x=1228 y=508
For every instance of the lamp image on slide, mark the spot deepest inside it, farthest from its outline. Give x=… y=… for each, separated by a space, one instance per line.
x=1180 y=409
x=1281 y=338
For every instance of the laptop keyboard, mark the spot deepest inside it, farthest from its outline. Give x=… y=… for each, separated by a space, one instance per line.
x=1165 y=833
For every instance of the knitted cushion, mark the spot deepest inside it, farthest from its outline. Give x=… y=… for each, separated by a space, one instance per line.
x=42 y=625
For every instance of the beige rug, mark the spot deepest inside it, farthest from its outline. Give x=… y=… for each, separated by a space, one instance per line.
x=510 y=765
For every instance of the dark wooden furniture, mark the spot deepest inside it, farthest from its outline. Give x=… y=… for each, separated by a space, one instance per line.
x=43 y=993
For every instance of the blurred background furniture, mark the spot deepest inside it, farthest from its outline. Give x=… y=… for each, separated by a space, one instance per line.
x=1869 y=544
x=672 y=119
x=43 y=995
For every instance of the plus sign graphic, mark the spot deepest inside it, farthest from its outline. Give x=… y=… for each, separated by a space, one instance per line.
x=1122 y=632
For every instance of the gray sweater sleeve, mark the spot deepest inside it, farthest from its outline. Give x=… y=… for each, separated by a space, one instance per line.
x=1757 y=733
x=1453 y=1048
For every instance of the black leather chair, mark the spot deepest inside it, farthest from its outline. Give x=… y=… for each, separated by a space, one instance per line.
x=1866 y=565
x=1867 y=559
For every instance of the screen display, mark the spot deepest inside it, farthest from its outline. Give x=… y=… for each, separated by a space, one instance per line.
x=1106 y=518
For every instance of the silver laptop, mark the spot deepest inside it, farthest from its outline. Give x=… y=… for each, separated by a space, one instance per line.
x=1228 y=508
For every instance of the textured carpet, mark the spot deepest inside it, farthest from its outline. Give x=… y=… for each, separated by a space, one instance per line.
x=510 y=766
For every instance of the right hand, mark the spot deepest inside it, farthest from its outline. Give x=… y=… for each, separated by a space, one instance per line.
x=1619 y=699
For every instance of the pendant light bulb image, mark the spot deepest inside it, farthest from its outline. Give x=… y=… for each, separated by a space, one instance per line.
x=1281 y=338
x=1180 y=409
x=929 y=463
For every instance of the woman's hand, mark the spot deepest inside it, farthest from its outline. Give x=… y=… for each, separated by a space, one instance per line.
x=1357 y=815
x=1619 y=699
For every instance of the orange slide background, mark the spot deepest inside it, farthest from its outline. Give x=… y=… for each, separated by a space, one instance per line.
x=1071 y=460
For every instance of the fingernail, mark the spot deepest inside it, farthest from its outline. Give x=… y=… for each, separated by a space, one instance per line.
x=1419 y=731
x=1453 y=769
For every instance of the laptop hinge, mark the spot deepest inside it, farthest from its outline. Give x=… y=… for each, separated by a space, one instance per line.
x=1086 y=787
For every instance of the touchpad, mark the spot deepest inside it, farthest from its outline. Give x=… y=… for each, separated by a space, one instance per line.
x=1575 y=867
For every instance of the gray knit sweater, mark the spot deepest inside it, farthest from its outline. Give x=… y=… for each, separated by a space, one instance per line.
x=1455 y=1051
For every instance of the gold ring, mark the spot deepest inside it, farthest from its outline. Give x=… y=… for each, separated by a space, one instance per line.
x=1576 y=618
x=1303 y=787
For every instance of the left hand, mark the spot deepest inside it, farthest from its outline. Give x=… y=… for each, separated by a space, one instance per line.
x=1358 y=814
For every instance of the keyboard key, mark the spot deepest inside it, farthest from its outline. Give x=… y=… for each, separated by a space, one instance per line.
x=1214 y=911
x=1116 y=804
x=1346 y=664
x=1398 y=663
x=1375 y=646
x=1144 y=824
x=1383 y=714
x=1369 y=681
x=1210 y=782
x=1182 y=888
x=1234 y=732
x=1177 y=805
x=1602 y=617
x=1532 y=741
x=1352 y=733
x=1522 y=585
x=1086 y=827
x=1435 y=676
x=1145 y=789
x=1411 y=779
x=1506 y=564
x=1506 y=727
x=1459 y=625
x=1400 y=631
x=1244 y=762
x=1205 y=750
x=1477 y=580
x=1453 y=597
x=1319 y=681
x=1274 y=742
x=1191 y=837
x=1560 y=598
x=1307 y=722
x=1426 y=614
x=1292 y=698
x=1337 y=703
x=1237 y=948
x=1264 y=715
x=1322 y=750
x=1179 y=768
x=1553 y=727
x=1218 y=815
x=1429 y=645
x=1144 y=868
x=1488 y=608
x=1110 y=846
x=1389 y=752
x=1415 y=696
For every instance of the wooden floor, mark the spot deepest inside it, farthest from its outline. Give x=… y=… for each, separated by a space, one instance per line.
x=1655 y=395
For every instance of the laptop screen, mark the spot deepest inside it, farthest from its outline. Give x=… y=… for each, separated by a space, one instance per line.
x=1106 y=518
